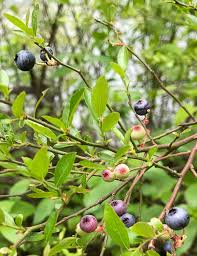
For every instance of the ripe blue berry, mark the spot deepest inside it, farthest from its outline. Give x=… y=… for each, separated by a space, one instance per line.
x=168 y=247
x=25 y=60
x=128 y=219
x=177 y=218
x=119 y=206
x=43 y=53
x=88 y=223
x=141 y=107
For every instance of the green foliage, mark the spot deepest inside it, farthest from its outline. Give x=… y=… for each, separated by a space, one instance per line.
x=110 y=121
x=63 y=168
x=100 y=96
x=59 y=131
x=17 y=107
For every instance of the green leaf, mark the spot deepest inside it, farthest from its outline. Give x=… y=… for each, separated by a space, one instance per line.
x=70 y=108
x=18 y=104
x=2 y=216
x=117 y=68
x=121 y=152
x=69 y=242
x=44 y=209
x=87 y=98
x=127 y=136
x=74 y=102
x=4 y=82
x=20 y=187
x=123 y=57
x=91 y=165
x=157 y=224
x=40 y=164
x=27 y=17
x=135 y=252
x=143 y=229
x=115 y=227
x=152 y=253
x=100 y=96
x=118 y=133
x=19 y=23
x=190 y=195
x=110 y=121
x=39 y=193
x=63 y=168
x=181 y=115
x=55 y=121
x=49 y=227
x=41 y=129
x=151 y=152
x=34 y=20
x=39 y=101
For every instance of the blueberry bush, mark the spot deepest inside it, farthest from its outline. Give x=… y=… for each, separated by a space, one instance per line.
x=98 y=123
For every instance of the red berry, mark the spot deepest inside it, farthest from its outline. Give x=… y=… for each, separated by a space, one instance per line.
x=108 y=175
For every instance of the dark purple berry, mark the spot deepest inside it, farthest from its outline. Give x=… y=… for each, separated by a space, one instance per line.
x=25 y=60
x=88 y=223
x=177 y=218
x=43 y=53
x=128 y=219
x=119 y=206
x=141 y=107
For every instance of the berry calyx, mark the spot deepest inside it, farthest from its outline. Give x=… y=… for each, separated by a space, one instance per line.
x=88 y=223
x=141 y=107
x=119 y=207
x=177 y=218
x=25 y=60
x=121 y=171
x=138 y=132
x=108 y=175
x=43 y=53
x=128 y=219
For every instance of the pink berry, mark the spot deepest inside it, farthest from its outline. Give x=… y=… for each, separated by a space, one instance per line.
x=88 y=223
x=119 y=207
x=121 y=171
x=138 y=132
x=108 y=175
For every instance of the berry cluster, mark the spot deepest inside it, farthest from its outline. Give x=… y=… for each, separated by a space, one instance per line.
x=120 y=208
x=88 y=223
x=121 y=172
x=175 y=219
x=25 y=60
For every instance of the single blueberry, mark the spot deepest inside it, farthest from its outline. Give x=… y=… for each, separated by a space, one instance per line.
x=177 y=218
x=168 y=247
x=128 y=219
x=119 y=206
x=25 y=60
x=141 y=107
x=43 y=53
x=88 y=223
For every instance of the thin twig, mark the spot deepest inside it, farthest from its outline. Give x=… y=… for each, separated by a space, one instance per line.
x=179 y=182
